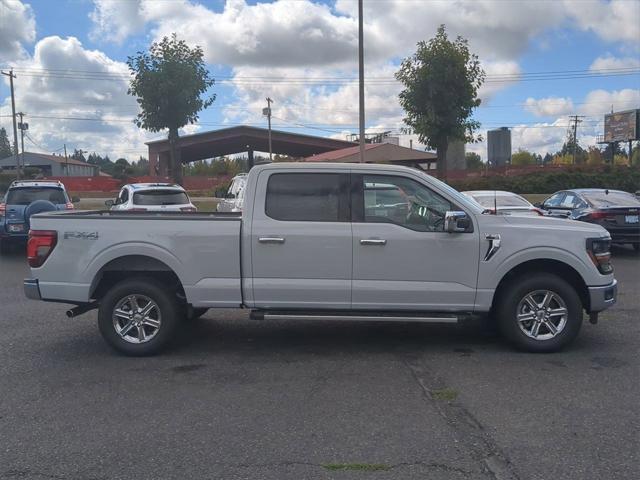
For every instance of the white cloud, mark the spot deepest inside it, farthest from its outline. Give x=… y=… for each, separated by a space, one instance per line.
x=599 y=102
x=17 y=27
x=52 y=99
x=115 y=20
x=614 y=20
x=609 y=62
x=550 y=106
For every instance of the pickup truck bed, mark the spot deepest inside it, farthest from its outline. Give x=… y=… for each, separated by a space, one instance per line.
x=202 y=249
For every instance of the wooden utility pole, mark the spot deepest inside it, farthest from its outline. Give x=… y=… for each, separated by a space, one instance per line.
x=11 y=76
x=575 y=119
x=268 y=113
x=66 y=161
x=361 y=77
x=22 y=126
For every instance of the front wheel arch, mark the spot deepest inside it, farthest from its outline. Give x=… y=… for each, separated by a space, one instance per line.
x=555 y=267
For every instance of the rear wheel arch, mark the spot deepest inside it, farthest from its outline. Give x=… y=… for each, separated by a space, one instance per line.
x=546 y=265
x=130 y=266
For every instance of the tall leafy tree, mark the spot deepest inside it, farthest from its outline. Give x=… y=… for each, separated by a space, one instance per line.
x=441 y=82
x=5 y=144
x=524 y=157
x=170 y=83
x=473 y=161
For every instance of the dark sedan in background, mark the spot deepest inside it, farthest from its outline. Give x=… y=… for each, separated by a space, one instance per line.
x=615 y=210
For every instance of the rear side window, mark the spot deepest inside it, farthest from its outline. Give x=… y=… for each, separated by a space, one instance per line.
x=160 y=197
x=24 y=196
x=612 y=199
x=311 y=197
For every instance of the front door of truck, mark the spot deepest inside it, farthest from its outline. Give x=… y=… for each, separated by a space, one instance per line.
x=301 y=241
x=403 y=259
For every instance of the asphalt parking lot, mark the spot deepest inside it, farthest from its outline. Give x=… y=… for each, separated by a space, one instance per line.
x=241 y=399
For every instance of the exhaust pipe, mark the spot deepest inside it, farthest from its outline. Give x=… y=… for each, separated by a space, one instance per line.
x=81 y=309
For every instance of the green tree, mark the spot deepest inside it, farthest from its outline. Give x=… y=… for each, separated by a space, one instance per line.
x=170 y=83
x=441 y=82
x=5 y=144
x=594 y=156
x=635 y=155
x=78 y=155
x=523 y=157
x=473 y=161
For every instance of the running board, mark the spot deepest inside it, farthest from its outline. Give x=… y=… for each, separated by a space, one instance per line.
x=260 y=315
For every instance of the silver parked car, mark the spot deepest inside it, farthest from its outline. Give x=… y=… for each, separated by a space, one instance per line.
x=152 y=197
x=504 y=202
x=233 y=199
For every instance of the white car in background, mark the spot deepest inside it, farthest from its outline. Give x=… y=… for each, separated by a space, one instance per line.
x=507 y=203
x=233 y=199
x=152 y=197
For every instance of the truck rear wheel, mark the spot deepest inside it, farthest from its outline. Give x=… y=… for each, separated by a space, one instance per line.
x=138 y=316
x=540 y=313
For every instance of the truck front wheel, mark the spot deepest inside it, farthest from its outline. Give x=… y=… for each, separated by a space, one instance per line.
x=539 y=313
x=138 y=316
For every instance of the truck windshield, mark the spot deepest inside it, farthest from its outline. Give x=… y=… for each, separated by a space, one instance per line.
x=26 y=195
x=160 y=197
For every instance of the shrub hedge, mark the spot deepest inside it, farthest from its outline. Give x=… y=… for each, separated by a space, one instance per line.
x=617 y=178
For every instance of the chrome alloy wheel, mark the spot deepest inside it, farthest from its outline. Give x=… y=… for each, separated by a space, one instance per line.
x=542 y=314
x=136 y=318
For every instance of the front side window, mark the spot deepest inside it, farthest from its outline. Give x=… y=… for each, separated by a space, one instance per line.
x=312 y=197
x=404 y=202
x=123 y=197
x=554 y=201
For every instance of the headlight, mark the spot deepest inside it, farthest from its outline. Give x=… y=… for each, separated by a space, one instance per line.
x=599 y=250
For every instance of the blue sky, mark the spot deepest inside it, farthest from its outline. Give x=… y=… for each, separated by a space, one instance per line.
x=69 y=54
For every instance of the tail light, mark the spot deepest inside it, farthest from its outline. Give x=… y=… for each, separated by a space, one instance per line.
x=599 y=216
x=41 y=244
x=599 y=250
x=69 y=206
x=188 y=209
x=3 y=209
x=538 y=211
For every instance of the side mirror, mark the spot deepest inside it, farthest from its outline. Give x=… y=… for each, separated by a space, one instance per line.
x=219 y=193
x=75 y=199
x=230 y=196
x=538 y=205
x=109 y=203
x=456 y=222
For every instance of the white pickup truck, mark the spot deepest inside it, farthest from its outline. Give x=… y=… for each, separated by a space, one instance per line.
x=330 y=241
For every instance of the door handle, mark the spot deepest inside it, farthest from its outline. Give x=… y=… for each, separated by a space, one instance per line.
x=373 y=241
x=271 y=240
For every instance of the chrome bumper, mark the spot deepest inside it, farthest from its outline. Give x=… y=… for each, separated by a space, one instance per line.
x=32 y=289
x=601 y=298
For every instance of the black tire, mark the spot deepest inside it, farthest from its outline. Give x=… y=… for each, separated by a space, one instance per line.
x=167 y=310
x=509 y=303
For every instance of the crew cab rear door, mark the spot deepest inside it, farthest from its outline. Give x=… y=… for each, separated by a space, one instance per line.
x=403 y=259
x=301 y=240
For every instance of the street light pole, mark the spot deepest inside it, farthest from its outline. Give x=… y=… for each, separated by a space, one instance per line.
x=361 y=77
